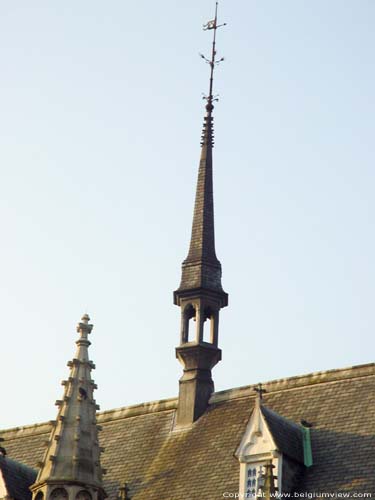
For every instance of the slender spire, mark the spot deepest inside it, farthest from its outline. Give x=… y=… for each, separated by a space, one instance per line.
x=200 y=294
x=201 y=268
x=73 y=453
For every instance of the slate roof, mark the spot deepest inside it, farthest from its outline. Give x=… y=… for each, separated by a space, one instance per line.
x=199 y=464
x=17 y=478
x=287 y=434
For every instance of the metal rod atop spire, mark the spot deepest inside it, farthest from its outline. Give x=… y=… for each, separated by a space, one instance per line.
x=212 y=25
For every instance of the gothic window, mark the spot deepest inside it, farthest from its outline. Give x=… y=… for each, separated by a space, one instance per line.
x=39 y=496
x=254 y=479
x=59 y=494
x=83 y=495
x=251 y=472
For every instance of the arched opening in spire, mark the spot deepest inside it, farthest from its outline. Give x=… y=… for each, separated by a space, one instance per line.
x=188 y=327
x=83 y=495
x=59 y=494
x=207 y=325
x=210 y=320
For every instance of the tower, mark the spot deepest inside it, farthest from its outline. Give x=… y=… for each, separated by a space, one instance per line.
x=200 y=294
x=71 y=467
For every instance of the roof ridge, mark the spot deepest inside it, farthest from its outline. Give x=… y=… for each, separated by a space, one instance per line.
x=27 y=429
x=298 y=382
x=277 y=385
x=103 y=416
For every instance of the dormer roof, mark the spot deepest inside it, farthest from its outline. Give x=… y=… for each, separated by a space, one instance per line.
x=15 y=479
x=288 y=435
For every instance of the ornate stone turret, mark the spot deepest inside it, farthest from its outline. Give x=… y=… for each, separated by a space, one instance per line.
x=71 y=465
x=200 y=294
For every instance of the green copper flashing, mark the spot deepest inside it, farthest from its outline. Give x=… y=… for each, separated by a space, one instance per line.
x=307 y=453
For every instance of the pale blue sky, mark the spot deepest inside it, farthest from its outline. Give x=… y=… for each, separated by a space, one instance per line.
x=101 y=116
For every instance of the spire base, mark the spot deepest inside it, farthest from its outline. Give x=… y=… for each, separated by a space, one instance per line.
x=196 y=384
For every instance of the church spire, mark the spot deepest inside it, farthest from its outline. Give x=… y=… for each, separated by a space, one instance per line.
x=71 y=465
x=201 y=268
x=200 y=294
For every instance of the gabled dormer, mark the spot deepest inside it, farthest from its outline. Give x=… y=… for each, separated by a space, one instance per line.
x=270 y=438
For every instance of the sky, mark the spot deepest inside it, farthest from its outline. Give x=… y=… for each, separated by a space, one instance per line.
x=101 y=117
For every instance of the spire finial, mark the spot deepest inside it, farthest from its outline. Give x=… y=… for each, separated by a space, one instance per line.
x=85 y=318
x=84 y=327
x=213 y=61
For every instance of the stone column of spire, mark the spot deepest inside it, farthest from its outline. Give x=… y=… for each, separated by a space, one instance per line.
x=200 y=294
x=71 y=465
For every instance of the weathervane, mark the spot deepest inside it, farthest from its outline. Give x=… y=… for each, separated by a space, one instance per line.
x=212 y=25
